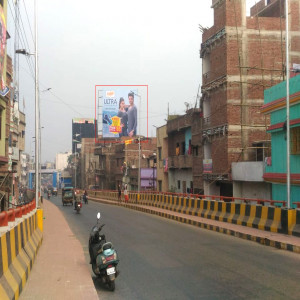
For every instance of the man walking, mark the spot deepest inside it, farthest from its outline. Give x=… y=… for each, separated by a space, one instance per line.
x=119 y=193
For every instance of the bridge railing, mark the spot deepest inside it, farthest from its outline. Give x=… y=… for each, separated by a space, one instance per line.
x=13 y=213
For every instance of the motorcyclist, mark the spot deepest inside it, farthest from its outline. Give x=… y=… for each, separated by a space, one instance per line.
x=76 y=200
x=48 y=193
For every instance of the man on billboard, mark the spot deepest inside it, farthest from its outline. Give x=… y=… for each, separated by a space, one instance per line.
x=132 y=116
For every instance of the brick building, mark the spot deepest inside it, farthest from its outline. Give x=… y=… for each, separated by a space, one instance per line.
x=185 y=152
x=118 y=163
x=241 y=56
x=162 y=159
x=88 y=163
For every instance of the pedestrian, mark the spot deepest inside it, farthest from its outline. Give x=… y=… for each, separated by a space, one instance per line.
x=126 y=194
x=85 y=197
x=119 y=193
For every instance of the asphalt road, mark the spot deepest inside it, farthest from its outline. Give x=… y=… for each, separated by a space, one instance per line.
x=164 y=259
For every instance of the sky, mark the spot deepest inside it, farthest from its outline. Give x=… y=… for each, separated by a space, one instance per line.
x=86 y=43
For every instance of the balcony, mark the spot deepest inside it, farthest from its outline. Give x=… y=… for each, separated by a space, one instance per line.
x=103 y=150
x=180 y=162
x=248 y=171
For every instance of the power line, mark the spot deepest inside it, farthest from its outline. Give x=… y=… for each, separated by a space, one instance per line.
x=21 y=38
x=28 y=21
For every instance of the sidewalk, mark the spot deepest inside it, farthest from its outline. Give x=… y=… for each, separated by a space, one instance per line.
x=60 y=270
x=273 y=239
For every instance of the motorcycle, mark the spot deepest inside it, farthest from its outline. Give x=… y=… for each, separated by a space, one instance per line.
x=78 y=206
x=48 y=195
x=104 y=258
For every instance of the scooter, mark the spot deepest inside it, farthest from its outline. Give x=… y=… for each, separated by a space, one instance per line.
x=48 y=195
x=104 y=258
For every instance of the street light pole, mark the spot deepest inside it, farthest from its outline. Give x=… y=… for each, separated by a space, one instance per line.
x=36 y=109
x=139 y=124
x=288 y=171
x=75 y=166
x=75 y=141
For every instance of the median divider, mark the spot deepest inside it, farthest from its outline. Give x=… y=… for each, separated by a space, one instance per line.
x=19 y=243
x=217 y=215
x=266 y=218
x=294 y=222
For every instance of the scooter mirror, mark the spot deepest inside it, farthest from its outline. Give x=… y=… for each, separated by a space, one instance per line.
x=98 y=215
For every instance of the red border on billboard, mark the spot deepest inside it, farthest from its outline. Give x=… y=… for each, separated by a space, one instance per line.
x=97 y=141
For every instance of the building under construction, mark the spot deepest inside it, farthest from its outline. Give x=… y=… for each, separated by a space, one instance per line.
x=241 y=57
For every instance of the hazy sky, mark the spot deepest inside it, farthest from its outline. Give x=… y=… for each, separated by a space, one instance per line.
x=87 y=43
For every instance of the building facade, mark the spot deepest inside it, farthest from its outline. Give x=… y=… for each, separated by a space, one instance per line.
x=61 y=160
x=82 y=128
x=276 y=164
x=88 y=164
x=119 y=164
x=185 y=152
x=162 y=159
x=241 y=57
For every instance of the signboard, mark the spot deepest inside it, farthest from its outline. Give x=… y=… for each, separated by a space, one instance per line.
x=3 y=88
x=207 y=165
x=119 y=113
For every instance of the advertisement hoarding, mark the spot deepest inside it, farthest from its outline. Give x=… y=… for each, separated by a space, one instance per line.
x=120 y=112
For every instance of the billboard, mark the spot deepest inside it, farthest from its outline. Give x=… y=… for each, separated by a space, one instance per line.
x=119 y=112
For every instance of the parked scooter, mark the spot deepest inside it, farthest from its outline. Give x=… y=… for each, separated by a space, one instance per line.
x=103 y=256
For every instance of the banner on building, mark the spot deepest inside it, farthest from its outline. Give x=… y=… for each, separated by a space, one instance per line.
x=166 y=165
x=119 y=112
x=3 y=88
x=207 y=165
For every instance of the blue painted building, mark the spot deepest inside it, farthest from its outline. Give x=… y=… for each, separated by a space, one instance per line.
x=275 y=171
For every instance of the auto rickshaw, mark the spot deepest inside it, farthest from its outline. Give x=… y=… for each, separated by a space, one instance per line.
x=68 y=195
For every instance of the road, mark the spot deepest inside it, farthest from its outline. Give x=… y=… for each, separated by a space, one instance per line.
x=164 y=259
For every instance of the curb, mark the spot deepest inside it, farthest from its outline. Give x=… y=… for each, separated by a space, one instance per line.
x=19 y=248
x=249 y=237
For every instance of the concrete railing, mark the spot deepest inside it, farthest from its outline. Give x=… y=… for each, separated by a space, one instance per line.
x=256 y=213
x=20 y=238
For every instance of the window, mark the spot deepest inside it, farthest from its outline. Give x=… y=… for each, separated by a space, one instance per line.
x=183 y=148
x=159 y=185
x=295 y=140
x=178 y=184
x=159 y=153
x=195 y=151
